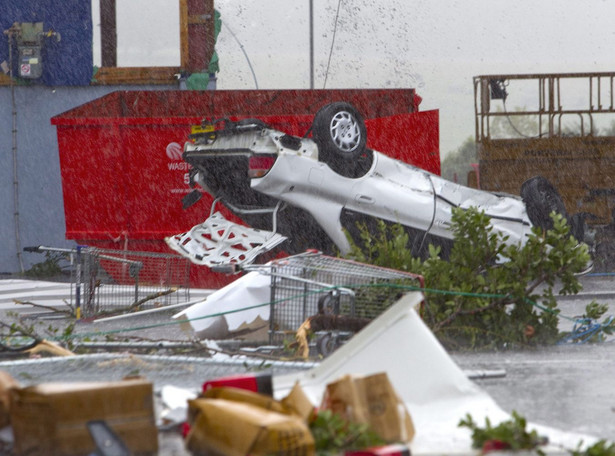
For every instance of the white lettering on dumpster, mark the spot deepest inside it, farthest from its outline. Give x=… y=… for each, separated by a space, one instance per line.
x=178 y=166
x=174 y=154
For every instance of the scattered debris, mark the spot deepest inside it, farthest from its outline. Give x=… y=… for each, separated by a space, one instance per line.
x=237 y=422
x=53 y=418
x=435 y=393
x=45 y=346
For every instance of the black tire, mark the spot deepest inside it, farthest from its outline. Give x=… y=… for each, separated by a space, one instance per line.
x=339 y=131
x=541 y=198
x=578 y=226
x=326 y=344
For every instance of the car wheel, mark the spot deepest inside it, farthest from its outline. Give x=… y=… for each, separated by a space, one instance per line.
x=339 y=131
x=541 y=198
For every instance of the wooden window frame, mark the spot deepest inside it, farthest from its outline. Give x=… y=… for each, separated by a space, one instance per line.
x=114 y=75
x=192 y=13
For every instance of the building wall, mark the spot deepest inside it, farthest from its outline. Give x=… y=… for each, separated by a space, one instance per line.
x=32 y=148
x=39 y=181
x=67 y=61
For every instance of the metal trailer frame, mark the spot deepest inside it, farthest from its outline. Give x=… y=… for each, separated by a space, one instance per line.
x=566 y=145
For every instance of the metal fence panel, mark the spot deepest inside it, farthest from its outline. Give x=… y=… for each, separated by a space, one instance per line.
x=105 y=281
x=120 y=280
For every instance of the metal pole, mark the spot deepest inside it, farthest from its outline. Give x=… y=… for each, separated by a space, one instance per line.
x=11 y=32
x=78 y=285
x=311 y=44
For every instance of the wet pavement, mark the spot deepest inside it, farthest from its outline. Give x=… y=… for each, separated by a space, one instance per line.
x=570 y=386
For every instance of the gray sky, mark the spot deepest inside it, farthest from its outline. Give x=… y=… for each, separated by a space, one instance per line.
x=435 y=46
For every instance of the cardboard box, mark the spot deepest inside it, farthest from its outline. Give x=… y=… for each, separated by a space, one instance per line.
x=247 y=397
x=51 y=419
x=234 y=422
x=229 y=428
x=6 y=384
x=371 y=400
x=298 y=402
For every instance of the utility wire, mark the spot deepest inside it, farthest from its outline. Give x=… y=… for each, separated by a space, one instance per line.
x=433 y=217
x=512 y=125
x=337 y=15
x=244 y=53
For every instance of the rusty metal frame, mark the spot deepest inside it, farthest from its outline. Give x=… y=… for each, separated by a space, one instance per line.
x=581 y=166
x=550 y=110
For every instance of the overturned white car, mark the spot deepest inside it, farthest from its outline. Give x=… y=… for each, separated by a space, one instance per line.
x=306 y=191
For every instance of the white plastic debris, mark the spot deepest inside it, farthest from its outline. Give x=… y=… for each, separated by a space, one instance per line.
x=219 y=241
x=214 y=318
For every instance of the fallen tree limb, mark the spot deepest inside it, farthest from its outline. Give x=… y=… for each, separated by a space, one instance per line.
x=45 y=346
x=70 y=312
x=149 y=297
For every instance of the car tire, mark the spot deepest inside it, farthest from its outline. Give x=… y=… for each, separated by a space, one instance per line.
x=339 y=131
x=578 y=227
x=541 y=198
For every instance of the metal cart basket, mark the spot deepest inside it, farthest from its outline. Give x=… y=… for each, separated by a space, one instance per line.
x=304 y=285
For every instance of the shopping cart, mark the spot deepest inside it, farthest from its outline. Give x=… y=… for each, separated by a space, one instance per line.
x=311 y=284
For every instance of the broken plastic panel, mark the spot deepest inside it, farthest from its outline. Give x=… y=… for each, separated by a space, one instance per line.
x=220 y=241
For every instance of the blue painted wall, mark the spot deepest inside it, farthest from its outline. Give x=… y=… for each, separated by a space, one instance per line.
x=67 y=62
x=41 y=206
x=67 y=72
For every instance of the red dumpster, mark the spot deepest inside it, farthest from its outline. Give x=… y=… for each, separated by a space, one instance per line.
x=120 y=155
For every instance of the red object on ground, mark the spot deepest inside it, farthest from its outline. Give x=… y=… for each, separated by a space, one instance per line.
x=388 y=450
x=260 y=383
x=494 y=445
x=122 y=172
x=185 y=429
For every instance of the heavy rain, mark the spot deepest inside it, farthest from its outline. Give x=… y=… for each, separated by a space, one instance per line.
x=207 y=194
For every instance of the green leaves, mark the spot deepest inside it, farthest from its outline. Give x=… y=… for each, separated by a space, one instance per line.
x=510 y=434
x=48 y=268
x=387 y=245
x=333 y=434
x=487 y=294
x=600 y=448
x=587 y=328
